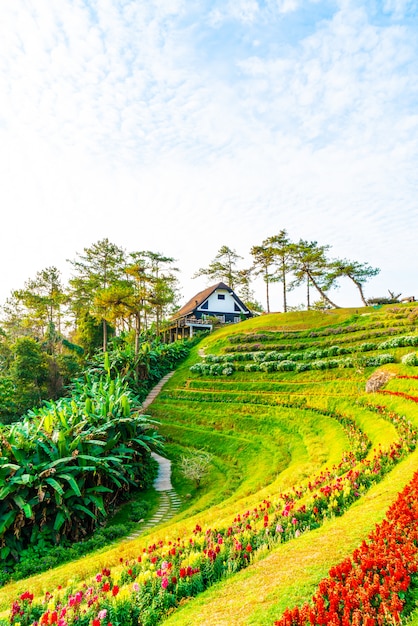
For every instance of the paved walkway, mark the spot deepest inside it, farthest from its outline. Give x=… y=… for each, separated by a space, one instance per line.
x=169 y=500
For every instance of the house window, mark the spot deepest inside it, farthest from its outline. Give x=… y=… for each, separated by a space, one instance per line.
x=204 y=305
x=236 y=307
x=221 y=296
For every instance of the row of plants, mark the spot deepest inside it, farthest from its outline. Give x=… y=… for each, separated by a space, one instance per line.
x=378 y=584
x=312 y=354
x=341 y=329
x=163 y=574
x=287 y=365
x=297 y=345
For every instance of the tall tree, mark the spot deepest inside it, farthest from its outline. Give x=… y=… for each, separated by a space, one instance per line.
x=310 y=264
x=244 y=288
x=263 y=262
x=100 y=266
x=281 y=249
x=137 y=273
x=163 y=284
x=223 y=267
x=42 y=299
x=358 y=273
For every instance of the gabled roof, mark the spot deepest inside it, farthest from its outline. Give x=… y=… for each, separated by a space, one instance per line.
x=199 y=299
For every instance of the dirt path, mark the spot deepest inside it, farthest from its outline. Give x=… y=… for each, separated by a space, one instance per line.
x=169 y=500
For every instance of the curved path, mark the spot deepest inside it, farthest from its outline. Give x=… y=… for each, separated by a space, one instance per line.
x=169 y=500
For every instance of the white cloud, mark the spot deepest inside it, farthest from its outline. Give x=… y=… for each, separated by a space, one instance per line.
x=143 y=123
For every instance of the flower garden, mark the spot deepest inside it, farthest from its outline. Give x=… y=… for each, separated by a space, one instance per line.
x=299 y=449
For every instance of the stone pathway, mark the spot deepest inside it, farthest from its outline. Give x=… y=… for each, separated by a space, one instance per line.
x=169 y=500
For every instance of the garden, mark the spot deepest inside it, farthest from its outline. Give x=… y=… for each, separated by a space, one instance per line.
x=308 y=513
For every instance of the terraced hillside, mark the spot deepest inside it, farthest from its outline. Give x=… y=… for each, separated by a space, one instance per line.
x=305 y=463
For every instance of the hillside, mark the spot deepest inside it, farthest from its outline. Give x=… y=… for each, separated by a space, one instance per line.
x=305 y=463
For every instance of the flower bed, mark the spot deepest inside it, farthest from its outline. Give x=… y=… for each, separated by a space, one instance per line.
x=157 y=580
x=373 y=587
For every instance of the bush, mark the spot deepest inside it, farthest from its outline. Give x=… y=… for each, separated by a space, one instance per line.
x=138 y=510
x=286 y=366
x=399 y=342
x=268 y=366
x=410 y=359
x=379 y=359
x=366 y=347
x=303 y=367
x=319 y=365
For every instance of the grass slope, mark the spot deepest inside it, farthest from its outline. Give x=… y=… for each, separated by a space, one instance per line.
x=269 y=432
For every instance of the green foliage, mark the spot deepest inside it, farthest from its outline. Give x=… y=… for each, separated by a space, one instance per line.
x=68 y=463
x=410 y=359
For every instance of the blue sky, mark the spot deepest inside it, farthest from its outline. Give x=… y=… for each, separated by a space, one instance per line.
x=180 y=126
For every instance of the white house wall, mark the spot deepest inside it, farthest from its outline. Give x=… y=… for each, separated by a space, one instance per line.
x=221 y=306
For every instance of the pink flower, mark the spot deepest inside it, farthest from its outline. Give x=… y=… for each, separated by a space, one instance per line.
x=135 y=587
x=164 y=582
x=102 y=614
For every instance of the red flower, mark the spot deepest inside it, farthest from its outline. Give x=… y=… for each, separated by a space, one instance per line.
x=115 y=590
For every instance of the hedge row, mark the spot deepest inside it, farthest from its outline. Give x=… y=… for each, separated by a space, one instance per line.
x=219 y=369
x=312 y=354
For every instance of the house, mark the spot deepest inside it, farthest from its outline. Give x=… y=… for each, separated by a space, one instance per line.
x=218 y=301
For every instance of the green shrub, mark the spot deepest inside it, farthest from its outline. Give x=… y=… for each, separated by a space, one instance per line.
x=379 y=359
x=366 y=347
x=410 y=359
x=286 y=366
x=399 y=342
x=319 y=365
x=138 y=510
x=268 y=366
x=303 y=367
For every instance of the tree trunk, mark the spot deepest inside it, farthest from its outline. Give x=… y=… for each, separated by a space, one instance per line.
x=284 y=287
x=137 y=333
x=308 y=302
x=267 y=292
x=323 y=294
x=104 y=335
x=360 y=288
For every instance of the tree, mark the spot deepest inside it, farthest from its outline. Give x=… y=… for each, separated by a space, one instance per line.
x=309 y=263
x=101 y=266
x=154 y=284
x=357 y=272
x=29 y=373
x=163 y=284
x=223 y=267
x=39 y=305
x=281 y=249
x=245 y=292
x=195 y=467
x=263 y=261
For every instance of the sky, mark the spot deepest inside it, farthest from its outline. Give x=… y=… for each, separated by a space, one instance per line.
x=181 y=126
